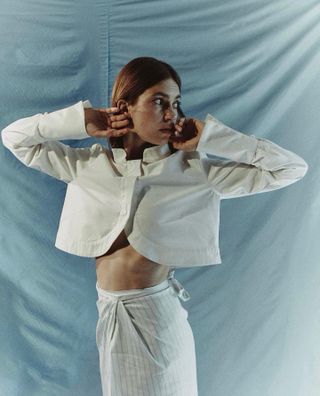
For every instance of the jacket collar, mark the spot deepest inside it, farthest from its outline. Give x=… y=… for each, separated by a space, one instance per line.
x=150 y=154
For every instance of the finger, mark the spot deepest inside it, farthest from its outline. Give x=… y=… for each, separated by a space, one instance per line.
x=115 y=121
x=121 y=132
x=119 y=117
x=177 y=145
x=115 y=132
x=110 y=133
x=119 y=124
x=110 y=110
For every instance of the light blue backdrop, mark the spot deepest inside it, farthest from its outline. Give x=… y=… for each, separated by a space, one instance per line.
x=252 y=64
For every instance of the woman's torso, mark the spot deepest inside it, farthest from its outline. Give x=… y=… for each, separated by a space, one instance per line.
x=122 y=267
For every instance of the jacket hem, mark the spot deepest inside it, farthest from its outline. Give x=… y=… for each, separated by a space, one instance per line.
x=171 y=257
x=196 y=258
x=83 y=249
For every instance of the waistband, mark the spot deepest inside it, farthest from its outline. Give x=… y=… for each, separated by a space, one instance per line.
x=175 y=286
x=124 y=294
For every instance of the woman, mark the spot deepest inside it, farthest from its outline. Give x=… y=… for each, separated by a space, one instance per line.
x=144 y=208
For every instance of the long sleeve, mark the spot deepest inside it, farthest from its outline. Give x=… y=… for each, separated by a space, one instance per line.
x=253 y=165
x=35 y=142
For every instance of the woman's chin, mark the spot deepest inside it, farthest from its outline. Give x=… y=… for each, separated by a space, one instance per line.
x=159 y=140
x=165 y=136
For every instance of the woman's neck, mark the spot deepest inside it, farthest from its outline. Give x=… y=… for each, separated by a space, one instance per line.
x=134 y=146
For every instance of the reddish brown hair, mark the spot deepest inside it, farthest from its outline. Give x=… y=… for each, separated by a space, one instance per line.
x=134 y=78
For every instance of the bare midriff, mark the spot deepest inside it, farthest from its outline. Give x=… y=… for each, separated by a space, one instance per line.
x=122 y=268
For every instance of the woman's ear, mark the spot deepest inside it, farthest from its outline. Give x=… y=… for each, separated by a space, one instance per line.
x=123 y=105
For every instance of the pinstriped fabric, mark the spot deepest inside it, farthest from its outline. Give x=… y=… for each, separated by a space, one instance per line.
x=145 y=342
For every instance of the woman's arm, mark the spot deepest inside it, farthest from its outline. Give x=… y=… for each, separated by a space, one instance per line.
x=35 y=140
x=253 y=165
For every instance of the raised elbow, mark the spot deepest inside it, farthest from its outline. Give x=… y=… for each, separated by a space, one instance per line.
x=303 y=168
x=5 y=138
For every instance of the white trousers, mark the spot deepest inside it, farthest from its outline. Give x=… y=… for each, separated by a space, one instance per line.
x=145 y=342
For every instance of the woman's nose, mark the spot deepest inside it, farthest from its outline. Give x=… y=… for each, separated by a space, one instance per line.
x=170 y=113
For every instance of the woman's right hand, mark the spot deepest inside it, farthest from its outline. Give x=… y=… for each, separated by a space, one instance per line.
x=109 y=122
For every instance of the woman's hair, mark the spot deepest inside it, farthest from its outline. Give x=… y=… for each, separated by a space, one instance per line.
x=134 y=78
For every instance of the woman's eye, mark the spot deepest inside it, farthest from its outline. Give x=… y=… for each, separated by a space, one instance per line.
x=177 y=104
x=157 y=99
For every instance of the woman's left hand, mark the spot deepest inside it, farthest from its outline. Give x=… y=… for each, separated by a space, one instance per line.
x=187 y=134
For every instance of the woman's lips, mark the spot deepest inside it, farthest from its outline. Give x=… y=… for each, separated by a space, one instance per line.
x=166 y=131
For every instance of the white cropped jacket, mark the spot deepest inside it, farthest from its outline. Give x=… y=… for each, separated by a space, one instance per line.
x=168 y=204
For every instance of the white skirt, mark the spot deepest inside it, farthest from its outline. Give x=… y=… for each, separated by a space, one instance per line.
x=145 y=342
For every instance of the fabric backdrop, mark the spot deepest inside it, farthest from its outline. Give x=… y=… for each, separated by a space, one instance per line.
x=252 y=64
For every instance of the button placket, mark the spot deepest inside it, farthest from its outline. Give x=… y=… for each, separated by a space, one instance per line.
x=123 y=197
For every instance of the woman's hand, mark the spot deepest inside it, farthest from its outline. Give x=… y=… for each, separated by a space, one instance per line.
x=109 y=122
x=187 y=134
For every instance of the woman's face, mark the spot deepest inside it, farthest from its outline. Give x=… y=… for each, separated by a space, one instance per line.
x=156 y=109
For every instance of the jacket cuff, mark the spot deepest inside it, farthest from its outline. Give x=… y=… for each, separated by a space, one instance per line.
x=67 y=123
x=220 y=140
